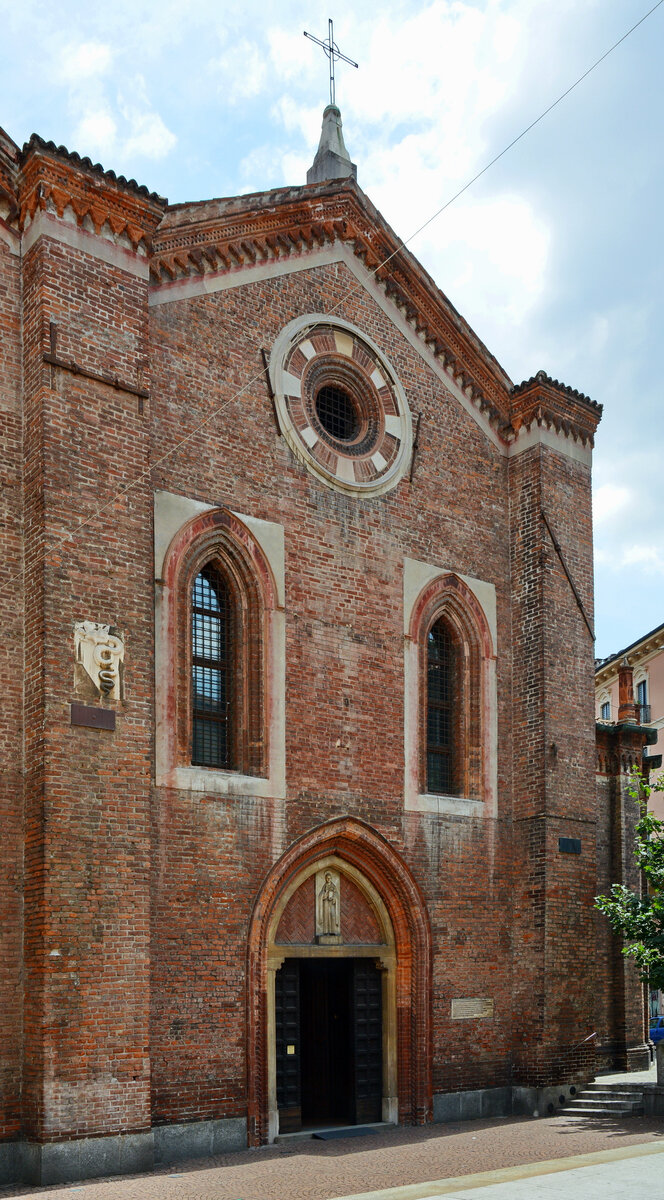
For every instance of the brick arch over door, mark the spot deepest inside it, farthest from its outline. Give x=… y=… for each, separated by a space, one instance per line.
x=357 y=844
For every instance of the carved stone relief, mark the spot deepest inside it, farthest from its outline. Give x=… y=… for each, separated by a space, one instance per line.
x=100 y=652
x=328 y=907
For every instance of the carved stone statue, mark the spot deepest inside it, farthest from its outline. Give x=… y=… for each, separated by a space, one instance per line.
x=328 y=906
x=100 y=651
x=329 y=899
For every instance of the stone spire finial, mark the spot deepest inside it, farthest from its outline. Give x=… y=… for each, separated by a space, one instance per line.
x=332 y=159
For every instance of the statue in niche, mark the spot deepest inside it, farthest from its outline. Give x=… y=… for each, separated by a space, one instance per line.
x=329 y=902
x=328 y=907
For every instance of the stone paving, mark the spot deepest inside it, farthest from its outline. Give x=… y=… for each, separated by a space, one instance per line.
x=320 y=1170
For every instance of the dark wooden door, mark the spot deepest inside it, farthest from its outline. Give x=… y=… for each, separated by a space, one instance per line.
x=367 y=1025
x=288 y=1046
x=327 y=1049
x=329 y=1042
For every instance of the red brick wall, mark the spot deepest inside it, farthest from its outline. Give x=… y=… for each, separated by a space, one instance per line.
x=86 y=1066
x=344 y=608
x=553 y=767
x=147 y=894
x=298 y=923
x=11 y=684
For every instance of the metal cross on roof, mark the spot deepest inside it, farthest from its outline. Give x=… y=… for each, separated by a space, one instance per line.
x=333 y=52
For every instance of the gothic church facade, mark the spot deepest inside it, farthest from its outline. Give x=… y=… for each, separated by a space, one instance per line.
x=298 y=701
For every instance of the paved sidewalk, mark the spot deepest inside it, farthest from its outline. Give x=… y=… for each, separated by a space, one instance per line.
x=631 y=1173
x=320 y=1170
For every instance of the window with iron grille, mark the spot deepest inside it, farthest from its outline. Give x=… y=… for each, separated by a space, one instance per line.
x=211 y=670
x=442 y=704
x=337 y=414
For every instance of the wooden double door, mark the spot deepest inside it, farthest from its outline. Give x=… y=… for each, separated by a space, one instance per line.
x=329 y=1042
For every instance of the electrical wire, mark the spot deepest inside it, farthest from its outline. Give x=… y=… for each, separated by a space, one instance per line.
x=70 y=537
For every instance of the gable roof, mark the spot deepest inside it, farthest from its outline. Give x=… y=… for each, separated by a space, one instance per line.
x=221 y=235
x=217 y=237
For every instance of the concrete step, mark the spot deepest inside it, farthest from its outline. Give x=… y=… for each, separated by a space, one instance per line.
x=597 y=1101
x=604 y=1090
x=584 y=1110
x=606 y=1105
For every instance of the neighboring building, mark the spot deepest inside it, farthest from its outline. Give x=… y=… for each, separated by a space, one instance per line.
x=646 y=658
x=298 y=774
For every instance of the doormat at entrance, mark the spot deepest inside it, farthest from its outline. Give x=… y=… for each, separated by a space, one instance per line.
x=326 y=1135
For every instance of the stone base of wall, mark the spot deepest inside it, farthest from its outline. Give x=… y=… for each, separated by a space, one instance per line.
x=43 y=1164
x=638 y=1058
x=198 y=1139
x=501 y=1102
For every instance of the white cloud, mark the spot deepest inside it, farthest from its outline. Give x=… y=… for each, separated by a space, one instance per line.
x=650 y=558
x=491 y=257
x=610 y=499
x=96 y=132
x=87 y=60
x=240 y=71
x=146 y=135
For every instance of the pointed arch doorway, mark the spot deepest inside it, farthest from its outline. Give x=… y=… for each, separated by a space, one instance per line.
x=339 y=987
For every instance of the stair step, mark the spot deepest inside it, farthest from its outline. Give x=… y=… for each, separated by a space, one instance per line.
x=585 y=1111
x=609 y=1091
x=609 y=1105
x=599 y=1098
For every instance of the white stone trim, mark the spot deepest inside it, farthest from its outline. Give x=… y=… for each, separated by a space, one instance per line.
x=60 y=230
x=562 y=443
x=416 y=577
x=171 y=514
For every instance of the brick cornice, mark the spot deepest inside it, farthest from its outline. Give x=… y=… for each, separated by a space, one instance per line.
x=225 y=235
x=619 y=747
x=542 y=401
x=53 y=179
x=8 y=178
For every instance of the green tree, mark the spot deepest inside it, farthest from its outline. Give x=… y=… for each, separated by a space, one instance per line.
x=640 y=919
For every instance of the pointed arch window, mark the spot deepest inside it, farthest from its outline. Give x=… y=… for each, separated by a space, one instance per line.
x=443 y=703
x=212 y=670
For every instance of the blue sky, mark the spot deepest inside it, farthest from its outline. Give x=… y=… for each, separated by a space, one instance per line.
x=555 y=257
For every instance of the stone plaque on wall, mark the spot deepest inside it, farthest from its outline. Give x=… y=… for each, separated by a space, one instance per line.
x=463 y=1010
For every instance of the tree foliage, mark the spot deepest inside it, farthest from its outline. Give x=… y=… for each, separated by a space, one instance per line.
x=640 y=919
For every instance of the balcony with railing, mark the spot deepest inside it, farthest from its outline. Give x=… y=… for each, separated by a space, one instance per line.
x=644 y=714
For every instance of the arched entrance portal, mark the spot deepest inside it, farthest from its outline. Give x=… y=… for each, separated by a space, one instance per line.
x=339 y=987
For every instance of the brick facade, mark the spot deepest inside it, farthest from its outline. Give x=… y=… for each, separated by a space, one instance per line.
x=148 y=439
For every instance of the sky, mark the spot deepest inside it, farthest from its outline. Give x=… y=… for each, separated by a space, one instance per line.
x=555 y=256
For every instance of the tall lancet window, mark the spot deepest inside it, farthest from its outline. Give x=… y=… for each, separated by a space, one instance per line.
x=211 y=670
x=442 y=714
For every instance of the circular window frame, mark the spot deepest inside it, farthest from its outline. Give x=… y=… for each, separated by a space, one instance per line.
x=315 y=351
